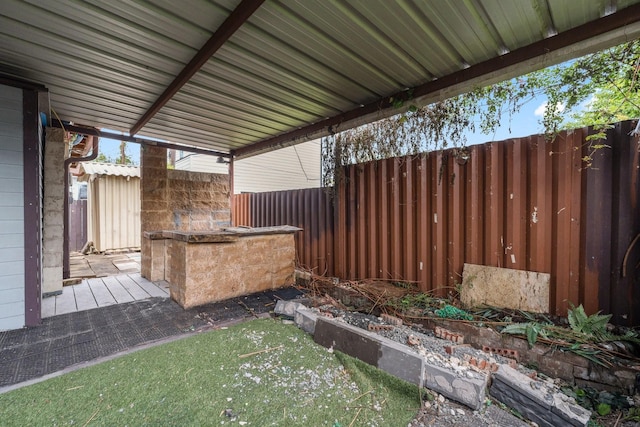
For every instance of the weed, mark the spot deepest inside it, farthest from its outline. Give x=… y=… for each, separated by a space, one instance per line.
x=633 y=415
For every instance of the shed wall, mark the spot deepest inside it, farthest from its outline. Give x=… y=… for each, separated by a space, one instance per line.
x=12 y=278
x=114 y=212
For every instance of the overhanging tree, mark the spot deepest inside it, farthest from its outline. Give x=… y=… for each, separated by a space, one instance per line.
x=595 y=90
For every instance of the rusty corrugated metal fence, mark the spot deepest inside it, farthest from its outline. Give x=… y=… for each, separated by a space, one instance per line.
x=523 y=203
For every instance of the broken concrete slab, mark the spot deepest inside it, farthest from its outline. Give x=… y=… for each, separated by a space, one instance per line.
x=287 y=308
x=538 y=401
x=504 y=287
x=470 y=391
x=394 y=358
x=306 y=319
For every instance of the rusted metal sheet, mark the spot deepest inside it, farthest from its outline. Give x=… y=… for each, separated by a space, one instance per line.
x=525 y=204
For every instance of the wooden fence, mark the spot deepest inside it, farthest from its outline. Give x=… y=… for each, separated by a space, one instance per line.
x=524 y=203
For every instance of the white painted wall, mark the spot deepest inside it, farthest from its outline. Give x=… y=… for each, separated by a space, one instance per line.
x=289 y=168
x=11 y=210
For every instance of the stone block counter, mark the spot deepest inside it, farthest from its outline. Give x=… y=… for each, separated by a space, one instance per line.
x=208 y=266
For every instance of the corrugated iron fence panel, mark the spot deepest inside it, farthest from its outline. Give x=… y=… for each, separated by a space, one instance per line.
x=310 y=209
x=524 y=203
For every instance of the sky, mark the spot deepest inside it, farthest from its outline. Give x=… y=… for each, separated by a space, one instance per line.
x=111 y=148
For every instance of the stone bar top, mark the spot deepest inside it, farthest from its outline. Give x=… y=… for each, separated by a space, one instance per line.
x=227 y=234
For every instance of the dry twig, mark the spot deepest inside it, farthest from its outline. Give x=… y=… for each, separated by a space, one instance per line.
x=242 y=356
x=92 y=417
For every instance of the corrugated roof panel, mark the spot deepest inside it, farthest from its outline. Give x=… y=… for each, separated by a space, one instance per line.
x=459 y=23
x=97 y=37
x=274 y=71
x=567 y=15
x=207 y=15
x=232 y=100
x=93 y=168
x=217 y=72
x=352 y=27
x=417 y=37
x=517 y=23
x=210 y=108
x=268 y=49
x=291 y=64
x=306 y=35
x=218 y=78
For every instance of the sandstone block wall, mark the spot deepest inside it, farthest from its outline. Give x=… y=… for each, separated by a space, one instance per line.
x=200 y=273
x=198 y=201
x=53 y=212
x=178 y=201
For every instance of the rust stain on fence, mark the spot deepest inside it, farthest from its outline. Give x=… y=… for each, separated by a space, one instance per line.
x=525 y=203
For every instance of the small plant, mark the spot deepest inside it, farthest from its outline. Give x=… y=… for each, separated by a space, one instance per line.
x=421 y=301
x=404 y=285
x=603 y=409
x=594 y=326
x=633 y=415
x=602 y=402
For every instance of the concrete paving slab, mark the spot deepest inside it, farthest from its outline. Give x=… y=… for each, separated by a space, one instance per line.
x=119 y=293
x=84 y=296
x=153 y=290
x=66 y=302
x=101 y=293
x=127 y=265
x=306 y=320
x=470 y=391
x=287 y=308
x=132 y=287
x=48 y=306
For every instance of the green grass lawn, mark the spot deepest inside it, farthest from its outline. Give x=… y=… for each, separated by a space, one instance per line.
x=258 y=373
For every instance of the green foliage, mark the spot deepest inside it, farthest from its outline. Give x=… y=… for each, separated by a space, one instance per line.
x=531 y=330
x=419 y=300
x=603 y=409
x=451 y=312
x=603 y=402
x=594 y=326
x=103 y=158
x=633 y=415
x=594 y=90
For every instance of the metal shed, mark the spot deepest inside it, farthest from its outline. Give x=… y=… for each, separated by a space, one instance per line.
x=113 y=205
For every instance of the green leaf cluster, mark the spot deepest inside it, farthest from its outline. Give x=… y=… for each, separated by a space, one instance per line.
x=593 y=327
x=594 y=90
